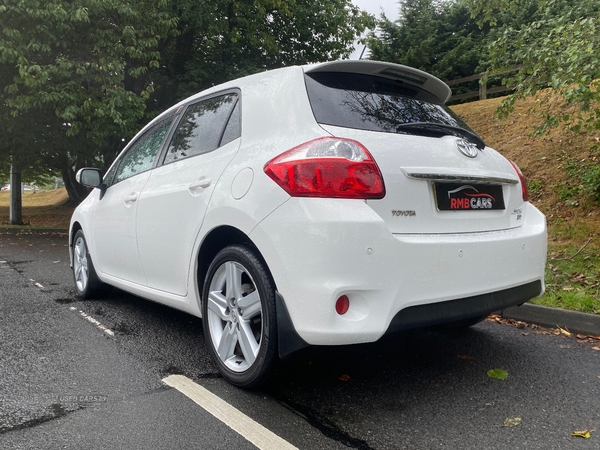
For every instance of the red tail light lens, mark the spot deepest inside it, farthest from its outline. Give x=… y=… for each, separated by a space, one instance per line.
x=523 y=180
x=328 y=167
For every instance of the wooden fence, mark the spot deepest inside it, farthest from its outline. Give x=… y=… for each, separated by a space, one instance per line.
x=483 y=91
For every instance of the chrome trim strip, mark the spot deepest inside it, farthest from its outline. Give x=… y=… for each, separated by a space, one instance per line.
x=461 y=178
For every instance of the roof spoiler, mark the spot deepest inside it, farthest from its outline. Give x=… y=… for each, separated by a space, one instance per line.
x=406 y=74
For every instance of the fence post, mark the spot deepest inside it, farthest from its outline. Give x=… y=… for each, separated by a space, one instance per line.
x=483 y=86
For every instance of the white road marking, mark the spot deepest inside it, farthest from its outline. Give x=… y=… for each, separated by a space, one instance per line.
x=252 y=431
x=95 y=322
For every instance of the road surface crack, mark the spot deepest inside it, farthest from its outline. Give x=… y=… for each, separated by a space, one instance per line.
x=57 y=411
x=324 y=425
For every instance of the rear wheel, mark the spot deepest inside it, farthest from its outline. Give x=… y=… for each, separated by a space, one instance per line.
x=238 y=314
x=87 y=283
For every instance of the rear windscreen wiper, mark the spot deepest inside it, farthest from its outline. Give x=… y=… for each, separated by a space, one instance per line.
x=445 y=129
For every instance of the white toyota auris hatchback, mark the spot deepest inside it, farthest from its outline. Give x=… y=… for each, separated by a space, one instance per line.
x=319 y=205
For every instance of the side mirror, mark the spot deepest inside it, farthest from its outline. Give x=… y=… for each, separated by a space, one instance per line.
x=89 y=177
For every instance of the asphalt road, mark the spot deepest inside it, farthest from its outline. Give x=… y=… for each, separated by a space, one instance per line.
x=66 y=382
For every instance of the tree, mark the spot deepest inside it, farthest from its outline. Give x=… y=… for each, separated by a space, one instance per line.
x=433 y=35
x=556 y=49
x=220 y=40
x=76 y=78
x=85 y=74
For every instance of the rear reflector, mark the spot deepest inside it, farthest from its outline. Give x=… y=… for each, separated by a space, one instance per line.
x=328 y=167
x=342 y=305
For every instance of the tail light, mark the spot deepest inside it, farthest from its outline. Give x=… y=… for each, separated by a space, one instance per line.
x=328 y=167
x=523 y=180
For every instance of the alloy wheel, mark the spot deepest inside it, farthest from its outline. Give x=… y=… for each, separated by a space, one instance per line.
x=235 y=319
x=80 y=264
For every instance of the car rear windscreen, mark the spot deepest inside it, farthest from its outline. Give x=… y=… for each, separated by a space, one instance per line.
x=373 y=103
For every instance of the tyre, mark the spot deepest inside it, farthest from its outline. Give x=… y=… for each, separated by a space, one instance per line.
x=87 y=283
x=239 y=317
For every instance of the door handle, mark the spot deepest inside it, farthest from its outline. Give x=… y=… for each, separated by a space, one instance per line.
x=200 y=183
x=131 y=198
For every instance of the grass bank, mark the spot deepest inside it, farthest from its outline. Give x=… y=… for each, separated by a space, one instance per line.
x=43 y=209
x=556 y=165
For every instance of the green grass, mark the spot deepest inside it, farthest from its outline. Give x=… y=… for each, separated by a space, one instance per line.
x=563 y=234
x=572 y=278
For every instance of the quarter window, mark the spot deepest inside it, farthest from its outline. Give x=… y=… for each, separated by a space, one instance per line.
x=204 y=127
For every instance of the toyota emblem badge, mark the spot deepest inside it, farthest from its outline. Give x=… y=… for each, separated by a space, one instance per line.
x=467 y=148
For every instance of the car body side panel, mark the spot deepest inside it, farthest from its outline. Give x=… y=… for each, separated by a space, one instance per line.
x=245 y=195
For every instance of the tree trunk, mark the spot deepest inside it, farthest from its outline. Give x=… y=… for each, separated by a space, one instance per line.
x=16 y=198
x=77 y=193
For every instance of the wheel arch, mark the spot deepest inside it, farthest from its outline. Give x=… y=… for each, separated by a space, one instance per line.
x=215 y=241
x=289 y=342
x=75 y=227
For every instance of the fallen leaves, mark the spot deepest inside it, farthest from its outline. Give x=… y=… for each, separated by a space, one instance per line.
x=545 y=331
x=586 y=434
x=498 y=374
x=565 y=332
x=512 y=422
x=465 y=357
x=344 y=377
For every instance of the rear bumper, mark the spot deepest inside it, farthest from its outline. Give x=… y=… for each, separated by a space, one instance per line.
x=320 y=249
x=454 y=310
x=420 y=316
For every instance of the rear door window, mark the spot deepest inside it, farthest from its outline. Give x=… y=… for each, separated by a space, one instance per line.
x=204 y=127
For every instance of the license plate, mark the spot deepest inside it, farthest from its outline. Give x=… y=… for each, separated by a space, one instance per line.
x=468 y=197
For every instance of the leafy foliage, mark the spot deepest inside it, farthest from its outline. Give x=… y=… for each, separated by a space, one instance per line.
x=556 y=49
x=550 y=43
x=433 y=35
x=79 y=77
x=76 y=70
x=220 y=40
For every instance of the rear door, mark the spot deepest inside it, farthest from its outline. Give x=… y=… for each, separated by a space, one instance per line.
x=174 y=201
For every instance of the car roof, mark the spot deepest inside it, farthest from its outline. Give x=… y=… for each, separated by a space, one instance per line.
x=398 y=72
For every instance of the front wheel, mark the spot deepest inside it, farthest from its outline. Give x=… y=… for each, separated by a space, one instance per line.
x=87 y=283
x=238 y=315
